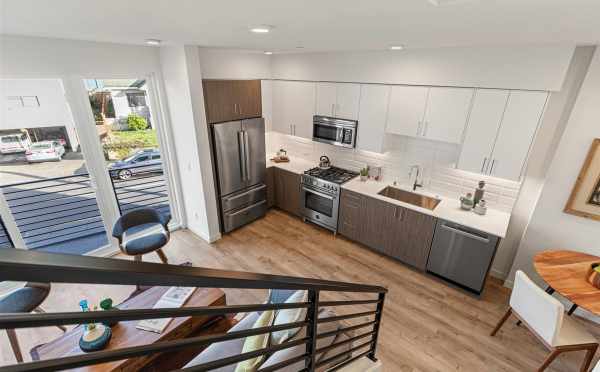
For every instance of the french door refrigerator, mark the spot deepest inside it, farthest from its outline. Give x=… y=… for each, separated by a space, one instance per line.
x=239 y=153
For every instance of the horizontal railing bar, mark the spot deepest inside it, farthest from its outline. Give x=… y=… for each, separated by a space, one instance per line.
x=325 y=349
x=98 y=357
x=47 y=196
x=86 y=203
x=238 y=358
x=60 y=225
x=22 y=265
x=134 y=182
x=89 y=209
x=348 y=361
x=283 y=364
x=342 y=317
x=344 y=303
x=125 y=193
x=21 y=320
x=52 y=233
x=337 y=356
x=78 y=233
x=45 y=180
x=142 y=199
x=40 y=191
x=157 y=166
x=346 y=329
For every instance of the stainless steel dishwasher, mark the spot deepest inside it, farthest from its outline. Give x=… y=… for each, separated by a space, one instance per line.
x=461 y=255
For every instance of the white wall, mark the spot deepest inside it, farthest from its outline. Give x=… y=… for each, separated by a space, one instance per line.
x=550 y=227
x=535 y=68
x=29 y=57
x=181 y=112
x=234 y=64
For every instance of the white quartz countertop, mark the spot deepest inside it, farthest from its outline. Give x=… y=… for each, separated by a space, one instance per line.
x=493 y=222
x=296 y=165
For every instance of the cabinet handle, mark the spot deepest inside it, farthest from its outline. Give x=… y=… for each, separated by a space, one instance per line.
x=235 y=108
x=240 y=107
x=333 y=109
x=492 y=167
x=419 y=128
x=483 y=165
x=425 y=127
x=294 y=129
x=291 y=130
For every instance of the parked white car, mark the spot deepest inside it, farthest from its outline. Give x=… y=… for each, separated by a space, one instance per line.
x=16 y=142
x=45 y=151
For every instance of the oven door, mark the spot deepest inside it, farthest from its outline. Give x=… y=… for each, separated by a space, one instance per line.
x=319 y=207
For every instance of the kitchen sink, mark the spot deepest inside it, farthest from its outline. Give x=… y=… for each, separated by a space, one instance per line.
x=410 y=197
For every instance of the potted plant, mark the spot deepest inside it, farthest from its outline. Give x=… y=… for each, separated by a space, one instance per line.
x=364 y=174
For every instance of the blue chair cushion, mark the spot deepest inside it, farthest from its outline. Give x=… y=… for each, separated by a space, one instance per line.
x=144 y=238
x=23 y=300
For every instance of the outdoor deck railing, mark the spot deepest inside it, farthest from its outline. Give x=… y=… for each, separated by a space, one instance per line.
x=21 y=265
x=53 y=211
x=146 y=187
x=5 y=241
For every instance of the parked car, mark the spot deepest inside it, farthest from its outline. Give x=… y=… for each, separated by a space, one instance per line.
x=45 y=151
x=16 y=142
x=143 y=161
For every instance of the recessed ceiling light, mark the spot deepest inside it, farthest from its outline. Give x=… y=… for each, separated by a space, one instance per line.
x=268 y=53
x=262 y=29
x=152 y=41
x=396 y=47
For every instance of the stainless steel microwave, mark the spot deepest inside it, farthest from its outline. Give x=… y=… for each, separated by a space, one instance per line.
x=334 y=131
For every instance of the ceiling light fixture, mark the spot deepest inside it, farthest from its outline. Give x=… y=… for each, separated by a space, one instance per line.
x=153 y=42
x=262 y=29
x=396 y=47
x=268 y=53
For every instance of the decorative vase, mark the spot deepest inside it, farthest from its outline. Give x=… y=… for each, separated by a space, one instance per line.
x=364 y=178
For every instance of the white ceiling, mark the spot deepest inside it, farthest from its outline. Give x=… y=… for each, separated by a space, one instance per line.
x=312 y=24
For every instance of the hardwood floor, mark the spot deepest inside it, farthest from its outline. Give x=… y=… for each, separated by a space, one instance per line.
x=427 y=325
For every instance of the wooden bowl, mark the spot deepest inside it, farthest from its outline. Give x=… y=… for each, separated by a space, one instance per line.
x=593 y=276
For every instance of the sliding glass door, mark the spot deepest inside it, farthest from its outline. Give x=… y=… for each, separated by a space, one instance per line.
x=75 y=155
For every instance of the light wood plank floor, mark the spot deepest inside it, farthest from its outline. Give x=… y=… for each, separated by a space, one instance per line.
x=427 y=325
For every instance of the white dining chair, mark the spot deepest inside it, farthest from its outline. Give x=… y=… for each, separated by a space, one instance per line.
x=544 y=316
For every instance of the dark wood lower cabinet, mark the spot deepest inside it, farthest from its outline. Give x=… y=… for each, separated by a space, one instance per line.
x=387 y=228
x=270 y=182
x=287 y=191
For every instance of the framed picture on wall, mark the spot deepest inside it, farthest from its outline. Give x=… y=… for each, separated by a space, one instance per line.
x=585 y=197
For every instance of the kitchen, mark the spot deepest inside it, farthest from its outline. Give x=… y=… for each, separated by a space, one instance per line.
x=439 y=140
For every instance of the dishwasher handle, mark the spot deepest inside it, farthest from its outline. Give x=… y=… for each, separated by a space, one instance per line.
x=458 y=230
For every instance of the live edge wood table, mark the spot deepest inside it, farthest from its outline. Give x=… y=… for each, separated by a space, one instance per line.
x=566 y=273
x=126 y=335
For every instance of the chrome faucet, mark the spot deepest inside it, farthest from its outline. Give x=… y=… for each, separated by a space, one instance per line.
x=418 y=169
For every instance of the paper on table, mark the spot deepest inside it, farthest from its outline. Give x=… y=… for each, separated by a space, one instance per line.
x=174 y=297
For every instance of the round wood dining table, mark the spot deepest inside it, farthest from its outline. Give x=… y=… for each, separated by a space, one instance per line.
x=566 y=273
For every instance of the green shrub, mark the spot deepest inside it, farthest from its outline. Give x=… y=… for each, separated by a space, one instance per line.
x=136 y=122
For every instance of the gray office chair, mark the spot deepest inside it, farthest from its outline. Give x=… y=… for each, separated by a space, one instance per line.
x=24 y=300
x=142 y=231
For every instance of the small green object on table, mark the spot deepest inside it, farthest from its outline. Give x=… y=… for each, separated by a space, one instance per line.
x=106 y=304
x=95 y=335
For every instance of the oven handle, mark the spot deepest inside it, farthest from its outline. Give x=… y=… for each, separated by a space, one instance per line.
x=318 y=193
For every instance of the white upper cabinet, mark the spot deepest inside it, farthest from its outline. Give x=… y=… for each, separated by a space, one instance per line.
x=406 y=110
x=347 y=101
x=519 y=125
x=293 y=107
x=340 y=100
x=446 y=114
x=326 y=99
x=373 y=109
x=482 y=129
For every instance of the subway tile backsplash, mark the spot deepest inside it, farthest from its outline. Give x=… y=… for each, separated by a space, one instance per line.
x=438 y=160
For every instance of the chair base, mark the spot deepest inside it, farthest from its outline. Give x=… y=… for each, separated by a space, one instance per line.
x=554 y=351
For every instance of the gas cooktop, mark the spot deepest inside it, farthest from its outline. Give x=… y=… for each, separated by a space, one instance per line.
x=331 y=174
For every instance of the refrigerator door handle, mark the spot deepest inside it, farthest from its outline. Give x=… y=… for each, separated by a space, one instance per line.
x=243 y=157
x=247 y=154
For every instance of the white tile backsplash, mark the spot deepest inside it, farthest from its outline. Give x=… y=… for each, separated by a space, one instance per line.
x=437 y=159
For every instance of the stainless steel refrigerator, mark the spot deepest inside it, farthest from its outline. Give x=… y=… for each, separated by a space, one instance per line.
x=239 y=153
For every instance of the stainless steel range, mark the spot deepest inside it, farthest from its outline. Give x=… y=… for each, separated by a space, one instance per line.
x=321 y=195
